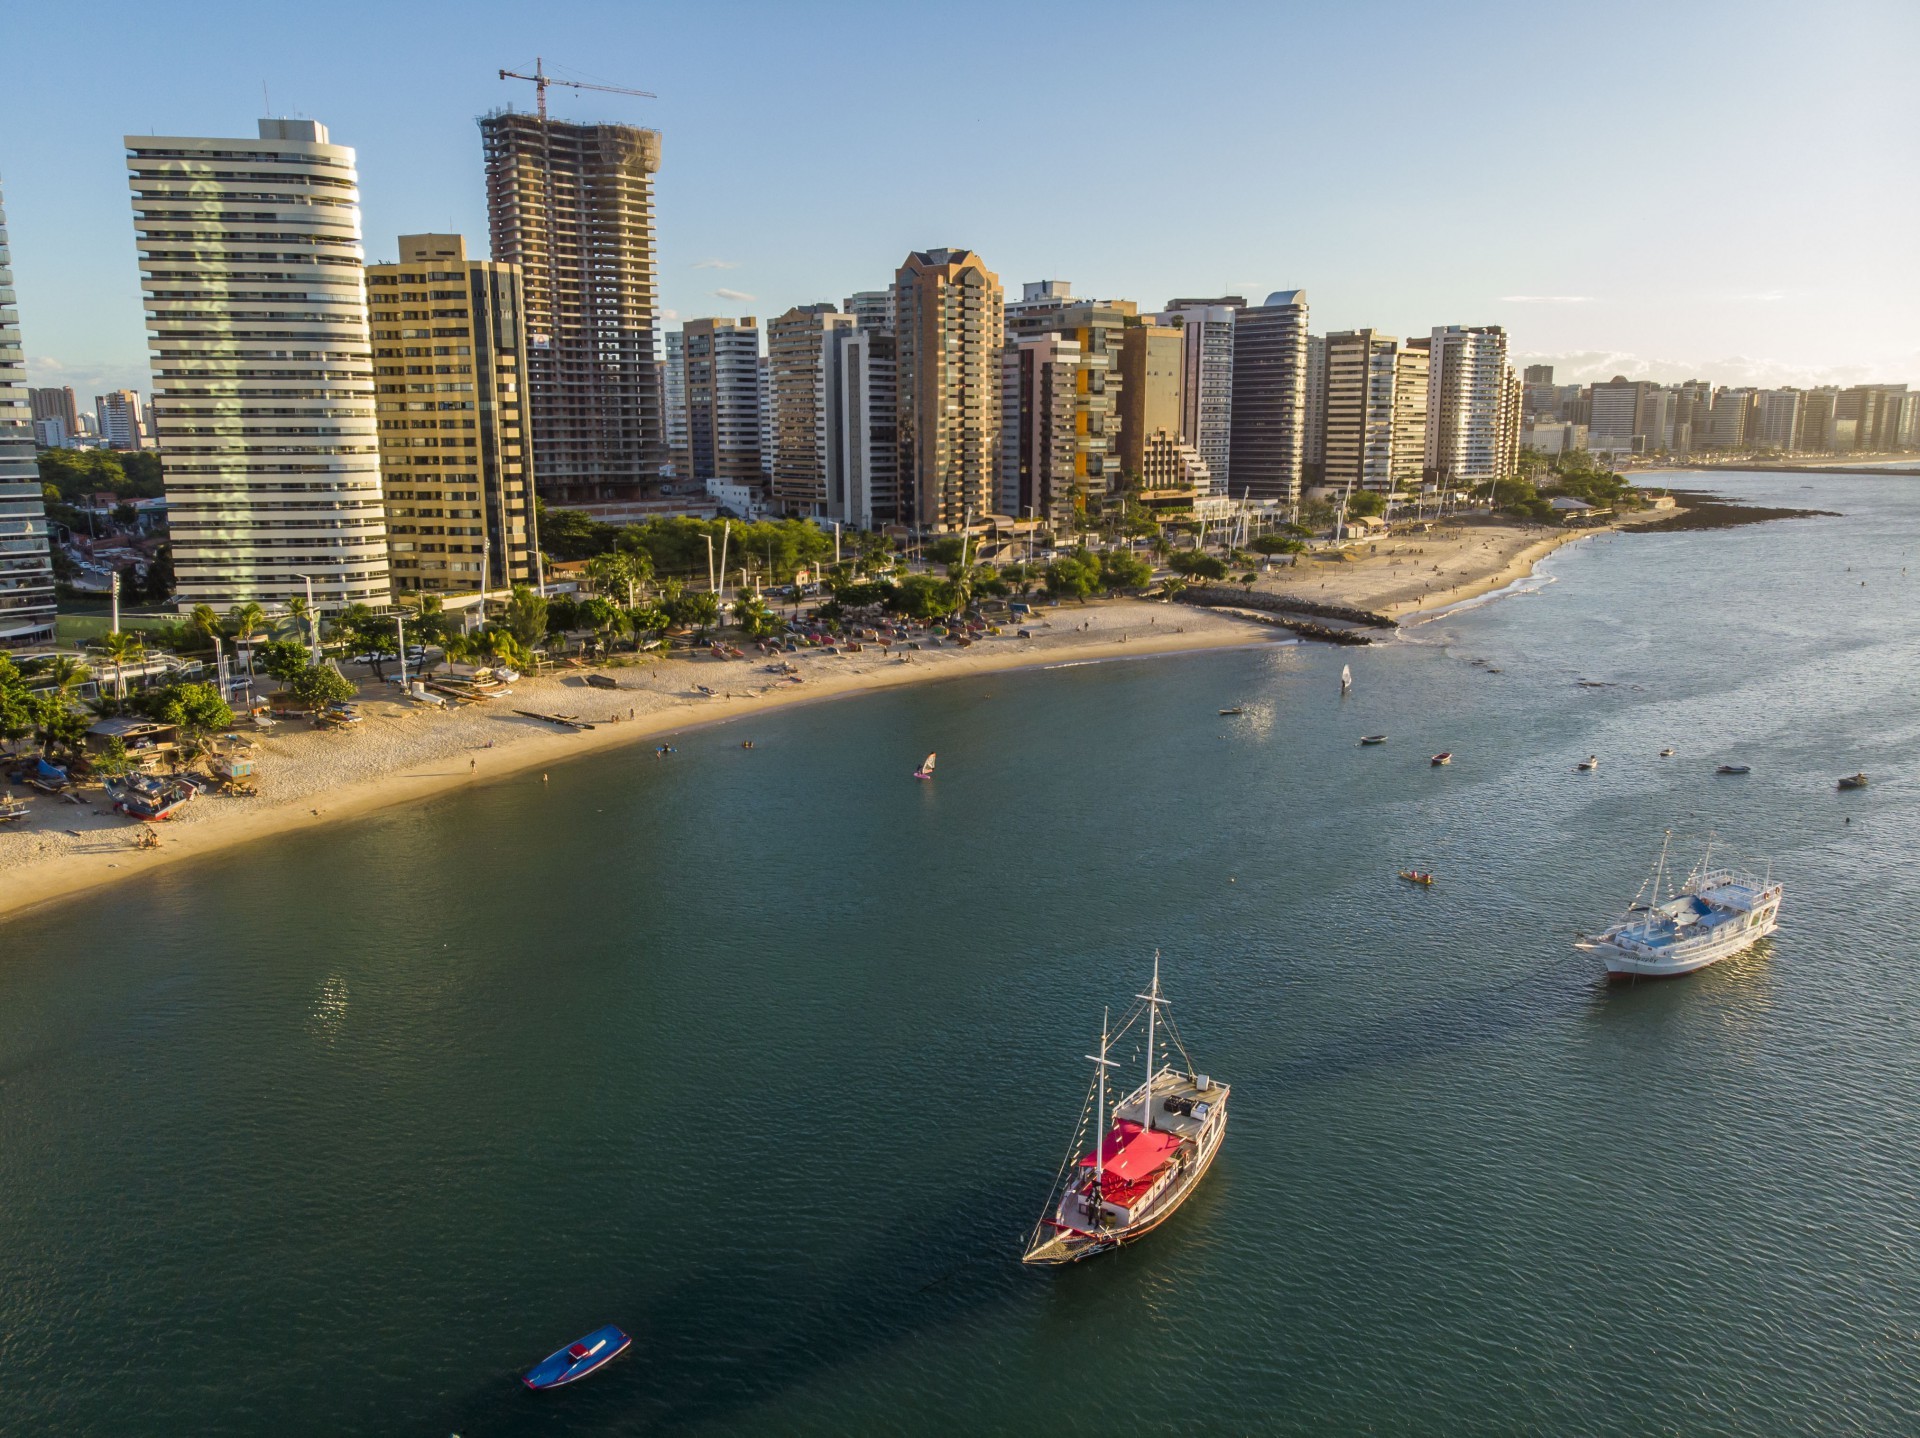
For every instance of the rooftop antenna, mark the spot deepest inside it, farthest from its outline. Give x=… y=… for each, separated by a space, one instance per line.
x=266 y=99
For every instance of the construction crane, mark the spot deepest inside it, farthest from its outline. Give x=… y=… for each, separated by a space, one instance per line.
x=541 y=79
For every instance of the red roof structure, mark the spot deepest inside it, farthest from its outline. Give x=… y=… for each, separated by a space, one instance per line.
x=1133 y=1154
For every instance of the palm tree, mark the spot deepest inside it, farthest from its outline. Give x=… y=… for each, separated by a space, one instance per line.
x=205 y=620
x=120 y=646
x=67 y=674
x=300 y=618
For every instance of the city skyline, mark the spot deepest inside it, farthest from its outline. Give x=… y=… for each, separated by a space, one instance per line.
x=1504 y=217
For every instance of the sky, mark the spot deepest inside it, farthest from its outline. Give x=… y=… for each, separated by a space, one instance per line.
x=1691 y=189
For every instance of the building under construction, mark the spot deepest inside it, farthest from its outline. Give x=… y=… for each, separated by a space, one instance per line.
x=572 y=205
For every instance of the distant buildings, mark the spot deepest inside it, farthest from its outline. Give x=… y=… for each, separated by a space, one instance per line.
x=1268 y=447
x=673 y=401
x=949 y=323
x=56 y=417
x=26 y=567
x=453 y=449
x=797 y=350
x=250 y=260
x=723 y=404
x=118 y=416
x=572 y=206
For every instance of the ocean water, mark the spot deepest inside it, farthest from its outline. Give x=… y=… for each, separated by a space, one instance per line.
x=769 y=1056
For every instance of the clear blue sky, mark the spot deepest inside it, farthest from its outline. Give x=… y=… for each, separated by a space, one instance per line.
x=1675 y=189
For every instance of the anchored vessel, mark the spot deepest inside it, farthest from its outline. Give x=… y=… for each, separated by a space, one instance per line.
x=1713 y=915
x=1162 y=1138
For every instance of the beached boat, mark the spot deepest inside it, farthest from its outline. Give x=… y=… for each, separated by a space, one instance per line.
x=1713 y=915
x=13 y=810
x=1442 y=759
x=1589 y=764
x=1734 y=769
x=925 y=771
x=1417 y=876
x=603 y=681
x=1136 y=1173
x=1370 y=739
x=577 y=1360
x=1853 y=781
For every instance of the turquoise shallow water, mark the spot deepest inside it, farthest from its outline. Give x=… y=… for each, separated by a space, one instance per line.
x=769 y=1056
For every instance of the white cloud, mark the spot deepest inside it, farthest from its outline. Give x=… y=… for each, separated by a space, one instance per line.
x=716 y=264
x=739 y=295
x=670 y=315
x=1548 y=300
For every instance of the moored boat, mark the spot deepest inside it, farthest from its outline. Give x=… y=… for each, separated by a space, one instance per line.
x=1853 y=781
x=1714 y=914
x=1418 y=876
x=1734 y=769
x=1367 y=740
x=1162 y=1139
x=1589 y=764
x=1442 y=759
x=1237 y=709
x=1666 y=753
x=577 y=1359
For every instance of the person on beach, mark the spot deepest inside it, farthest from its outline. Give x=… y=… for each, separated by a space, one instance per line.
x=472 y=764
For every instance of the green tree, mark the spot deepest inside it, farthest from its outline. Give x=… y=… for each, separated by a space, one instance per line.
x=946 y=549
x=321 y=684
x=1073 y=576
x=112 y=761
x=195 y=708
x=526 y=616
x=698 y=610
x=753 y=616
x=923 y=597
x=1365 y=504
x=1275 y=544
x=19 y=707
x=205 y=620
x=284 y=659
x=1120 y=569
x=502 y=647
x=1197 y=564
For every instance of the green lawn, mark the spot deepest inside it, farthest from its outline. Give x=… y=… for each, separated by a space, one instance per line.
x=77 y=623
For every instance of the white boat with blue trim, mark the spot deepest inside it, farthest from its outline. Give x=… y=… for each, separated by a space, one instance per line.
x=1712 y=915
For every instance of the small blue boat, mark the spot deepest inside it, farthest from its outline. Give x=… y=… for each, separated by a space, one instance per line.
x=577 y=1360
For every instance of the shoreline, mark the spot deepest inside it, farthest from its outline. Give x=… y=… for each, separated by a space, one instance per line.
x=401 y=754
x=50 y=862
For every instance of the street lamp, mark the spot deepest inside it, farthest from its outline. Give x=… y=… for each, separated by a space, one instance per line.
x=313 y=627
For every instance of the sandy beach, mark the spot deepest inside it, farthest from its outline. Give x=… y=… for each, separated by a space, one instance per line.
x=402 y=753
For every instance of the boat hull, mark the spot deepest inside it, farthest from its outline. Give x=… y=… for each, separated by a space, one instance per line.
x=1624 y=966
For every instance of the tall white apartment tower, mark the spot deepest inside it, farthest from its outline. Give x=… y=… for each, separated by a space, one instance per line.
x=251 y=262
x=1207 y=381
x=26 y=566
x=1466 y=404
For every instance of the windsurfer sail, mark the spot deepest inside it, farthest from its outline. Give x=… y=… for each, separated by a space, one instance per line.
x=1346 y=677
x=925 y=771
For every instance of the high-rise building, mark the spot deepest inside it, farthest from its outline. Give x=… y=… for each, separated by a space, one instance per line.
x=723 y=401
x=1040 y=376
x=948 y=326
x=1467 y=402
x=871 y=309
x=796 y=360
x=1506 y=458
x=251 y=262
x=1096 y=326
x=1538 y=374
x=1357 y=401
x=1816 y=420
x=1619 y=419
x=57 y=404
x=1152 y=372
x=861 y=410
x=673 y=402
x=452 y=413
x=1871 y=418
x=1732 y=418
x=1269 y=436
x=1778 y=420
x=572 y=205
x=1315 y=451
x=1172 y=474
x=118 y=415
x=1410 y=414
x=1207 y=382
x=26 y=566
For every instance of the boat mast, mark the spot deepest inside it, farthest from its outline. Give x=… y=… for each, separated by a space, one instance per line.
x=1152 y=996
x=1097 y=1207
